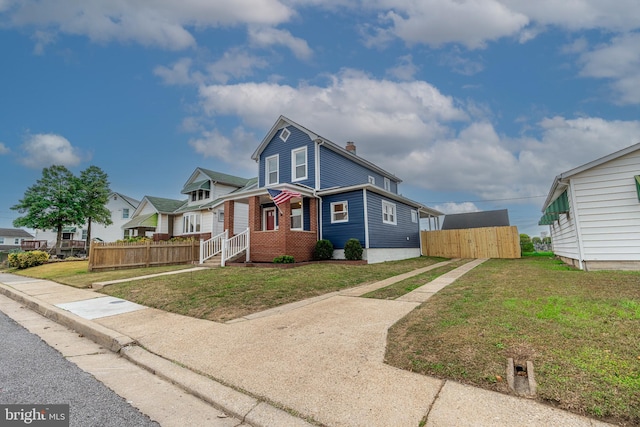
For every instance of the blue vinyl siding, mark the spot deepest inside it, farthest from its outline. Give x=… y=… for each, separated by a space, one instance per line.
x=339 y=233
x=339 y=171
x=383 y=235
x=297 y=139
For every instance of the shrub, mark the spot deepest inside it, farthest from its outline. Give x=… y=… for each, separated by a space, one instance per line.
x=323 y=250
x=525 y=243
x=353 y=250
x=22 y=260
x=283 y=259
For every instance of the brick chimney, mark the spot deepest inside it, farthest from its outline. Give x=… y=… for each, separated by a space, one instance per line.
x=351 y=147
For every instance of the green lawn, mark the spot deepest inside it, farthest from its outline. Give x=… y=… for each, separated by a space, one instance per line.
x=580 y=330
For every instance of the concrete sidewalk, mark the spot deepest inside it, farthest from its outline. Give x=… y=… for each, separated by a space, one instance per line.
x=316 y=362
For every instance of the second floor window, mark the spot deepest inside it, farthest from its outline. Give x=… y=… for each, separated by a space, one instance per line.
x=299 y=164
x=125 y=213
x=387 y=184
x=271 y=170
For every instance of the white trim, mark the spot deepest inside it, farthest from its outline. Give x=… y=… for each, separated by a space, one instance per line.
x=266 y=170
x=366 y=219
x=284 y=136
x=344 y=203
x=576 y=221
x=393 y=213
x=264 y=218
x=294 y=165
x=372 y=180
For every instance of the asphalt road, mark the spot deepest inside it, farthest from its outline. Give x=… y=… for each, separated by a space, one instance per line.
x=31 y=372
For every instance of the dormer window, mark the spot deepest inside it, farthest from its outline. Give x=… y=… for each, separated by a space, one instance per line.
x=284 y=135
x=387 y=184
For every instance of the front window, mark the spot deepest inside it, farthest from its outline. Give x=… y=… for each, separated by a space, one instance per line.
x=271 y=170
x=414 y=216
x=299 y=164
x=1 y=240
x=16 y=241
x=339 y=212
x=84 y=234
x=387 y=184
x=220 y=215
x=388 y=213
x=125 y=213
x=296 y=215
x=191 y=223
x=128 y=233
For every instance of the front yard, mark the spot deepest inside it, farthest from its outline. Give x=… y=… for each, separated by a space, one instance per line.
x=580 y=329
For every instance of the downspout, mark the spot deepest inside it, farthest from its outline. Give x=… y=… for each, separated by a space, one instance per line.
x=366 y=219
x=318 y=143
x=574 y=208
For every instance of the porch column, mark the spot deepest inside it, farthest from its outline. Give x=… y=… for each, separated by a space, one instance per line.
x=285 y=218
x=229 y=207
x=313 y=214
x=255 y=216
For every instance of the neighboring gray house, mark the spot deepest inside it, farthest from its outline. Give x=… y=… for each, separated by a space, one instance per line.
x=497 y=218
x=593 y=212
x=10 y=238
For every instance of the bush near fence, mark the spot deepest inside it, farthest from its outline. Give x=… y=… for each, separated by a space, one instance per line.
x=120 y=255
x=486 y=242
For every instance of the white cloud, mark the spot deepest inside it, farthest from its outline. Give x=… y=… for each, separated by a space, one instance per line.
x=618 y=61
x=456 y=208
x=411 y=130
x=235 y=63
x=266 y=36
x=163 y=23
x=178 y=73
x=405 y=70
x=4 y=149
x=43 y=150
x=436 y=22
x=214 y=144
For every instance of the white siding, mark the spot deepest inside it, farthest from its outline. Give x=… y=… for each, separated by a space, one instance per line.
x=563 y=237
x=241 y=218
x=609 y=210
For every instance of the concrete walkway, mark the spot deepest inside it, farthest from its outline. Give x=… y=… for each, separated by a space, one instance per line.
x=316 y=362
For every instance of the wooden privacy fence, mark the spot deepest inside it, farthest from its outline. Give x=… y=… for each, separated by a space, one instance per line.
x=104 y=256
x=486 y=242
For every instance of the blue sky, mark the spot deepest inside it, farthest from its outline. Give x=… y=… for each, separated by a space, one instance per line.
x=475 y=104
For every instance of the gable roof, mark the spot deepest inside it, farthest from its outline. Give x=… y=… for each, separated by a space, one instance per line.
x=216 y=177
x=318 y=139
x=14 y=232
x=561 y=182
x=130 y=200
x=496 y=218
x=163 y=205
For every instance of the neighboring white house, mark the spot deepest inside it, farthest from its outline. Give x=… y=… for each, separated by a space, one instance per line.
x=200 y=216
x=121 y=208
x=10 y=238
x=593 y=212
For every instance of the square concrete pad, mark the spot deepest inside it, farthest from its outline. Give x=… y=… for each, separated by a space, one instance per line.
x=100 y=307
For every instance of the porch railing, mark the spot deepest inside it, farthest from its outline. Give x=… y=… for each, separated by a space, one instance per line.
x=213 y=246
x=234 y=246
x=227 y=247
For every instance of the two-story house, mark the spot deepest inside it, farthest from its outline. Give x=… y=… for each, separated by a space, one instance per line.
x=199 y=216
x=328 y=192
x=121 y=208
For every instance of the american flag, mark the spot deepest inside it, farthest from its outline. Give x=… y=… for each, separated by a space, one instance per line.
x=281 y=196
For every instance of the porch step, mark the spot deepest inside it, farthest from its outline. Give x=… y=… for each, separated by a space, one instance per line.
x=213 y=262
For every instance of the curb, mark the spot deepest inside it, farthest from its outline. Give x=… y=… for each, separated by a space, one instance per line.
x=246 y=408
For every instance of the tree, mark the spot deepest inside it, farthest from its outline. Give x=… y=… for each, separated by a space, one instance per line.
x=94 y=193
x=536 y=240
x=53 y=202
x=525 y=243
